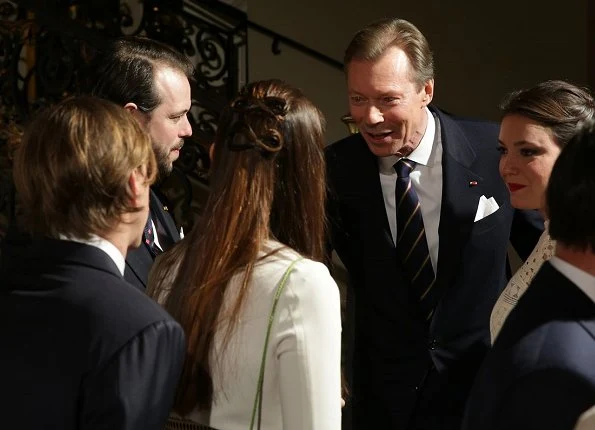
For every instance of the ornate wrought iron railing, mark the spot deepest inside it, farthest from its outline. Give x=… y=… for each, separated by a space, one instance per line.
x=45 y=44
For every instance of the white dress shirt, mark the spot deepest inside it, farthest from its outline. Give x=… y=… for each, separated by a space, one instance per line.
x=426 y=180
x=155 y=234
x=583 y=280
x=105 y=245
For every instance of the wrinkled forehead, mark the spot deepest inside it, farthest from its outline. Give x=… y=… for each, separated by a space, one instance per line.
x=390 y=72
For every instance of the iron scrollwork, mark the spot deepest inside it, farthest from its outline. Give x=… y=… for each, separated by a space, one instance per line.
x=10 y=30
x=43 y=49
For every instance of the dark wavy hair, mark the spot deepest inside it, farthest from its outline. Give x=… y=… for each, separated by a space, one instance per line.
x=558 y=105
x=267 y=182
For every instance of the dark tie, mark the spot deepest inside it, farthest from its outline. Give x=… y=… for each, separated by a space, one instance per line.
x=412 y=245
x=149 y=238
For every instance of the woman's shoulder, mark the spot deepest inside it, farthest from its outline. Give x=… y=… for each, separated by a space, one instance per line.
x=280 y=257
x=307 y=278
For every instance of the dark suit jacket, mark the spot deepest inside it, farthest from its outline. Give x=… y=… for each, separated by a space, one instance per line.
x=541 y=372
x=81 y=348
x=406 y=375
x=140 y=260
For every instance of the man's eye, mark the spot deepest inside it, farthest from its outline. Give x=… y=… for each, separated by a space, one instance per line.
x=502 y=150
x=390 y=100
x=356 y=99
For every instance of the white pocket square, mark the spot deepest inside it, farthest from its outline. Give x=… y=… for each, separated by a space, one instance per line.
x=485 y=208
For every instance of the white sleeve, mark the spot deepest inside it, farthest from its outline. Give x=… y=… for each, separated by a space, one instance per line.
x=308 y=350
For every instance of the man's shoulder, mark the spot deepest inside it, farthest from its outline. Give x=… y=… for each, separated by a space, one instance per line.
x=477 y=130
x=113 y=311
x=446 y=117
x=88 y=282
x=117 y=301
x=348 y=159
x=551 y=322
x=349 y=145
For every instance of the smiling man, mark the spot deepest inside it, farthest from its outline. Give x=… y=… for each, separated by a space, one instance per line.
x=421 y=220
x=151 y=81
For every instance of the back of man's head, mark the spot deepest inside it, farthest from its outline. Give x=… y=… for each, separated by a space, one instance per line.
x=571 y=192
x=124 y=71
x=73 y=167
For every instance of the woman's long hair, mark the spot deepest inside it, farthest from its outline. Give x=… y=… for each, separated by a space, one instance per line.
x=267 y=181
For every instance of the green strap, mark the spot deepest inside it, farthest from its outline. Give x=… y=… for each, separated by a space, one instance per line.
x=258 y=397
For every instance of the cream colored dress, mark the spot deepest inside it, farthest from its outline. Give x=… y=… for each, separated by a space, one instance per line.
x=302 y=382
x=519 y=282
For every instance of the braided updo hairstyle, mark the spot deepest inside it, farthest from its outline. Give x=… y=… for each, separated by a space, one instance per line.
x=267 y=182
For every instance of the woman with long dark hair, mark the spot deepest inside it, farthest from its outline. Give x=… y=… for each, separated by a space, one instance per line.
x=264 y=221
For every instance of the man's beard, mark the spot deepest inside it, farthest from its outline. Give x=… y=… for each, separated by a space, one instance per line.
x=164 y=165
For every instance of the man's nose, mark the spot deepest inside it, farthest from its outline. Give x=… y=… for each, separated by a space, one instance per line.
x=373 y=115
x=186 y=130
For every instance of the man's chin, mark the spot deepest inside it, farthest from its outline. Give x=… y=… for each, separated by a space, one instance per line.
x=164 y=171
x=387 y=149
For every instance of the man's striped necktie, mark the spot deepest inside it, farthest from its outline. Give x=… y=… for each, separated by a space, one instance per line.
x=412 y=245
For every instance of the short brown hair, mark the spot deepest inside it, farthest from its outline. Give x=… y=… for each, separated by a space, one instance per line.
x=72 y=168
x=371 y=42
x=558 y=105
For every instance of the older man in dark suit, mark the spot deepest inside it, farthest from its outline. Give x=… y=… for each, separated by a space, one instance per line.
x=82 y=348
x=540 y=372
x=152 y=81
x=421 y=220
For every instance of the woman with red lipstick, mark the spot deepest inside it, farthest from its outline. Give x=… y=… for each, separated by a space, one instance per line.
x=536 y=124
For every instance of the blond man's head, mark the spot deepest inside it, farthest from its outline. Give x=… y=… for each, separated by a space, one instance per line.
x=77 y=168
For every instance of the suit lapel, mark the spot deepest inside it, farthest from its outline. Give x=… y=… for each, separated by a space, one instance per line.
x=139 y=262
x=461 y=190
x=589 y=326
x=164 y=218
x=369 y=191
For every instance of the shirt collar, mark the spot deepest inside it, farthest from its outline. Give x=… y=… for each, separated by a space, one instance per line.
x=421 y=154
x=583 y=280
x=103 y=244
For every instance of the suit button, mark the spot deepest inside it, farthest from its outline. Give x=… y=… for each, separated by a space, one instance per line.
x=433 y=344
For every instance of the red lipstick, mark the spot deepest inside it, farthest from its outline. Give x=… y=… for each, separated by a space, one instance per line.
x=515 y=187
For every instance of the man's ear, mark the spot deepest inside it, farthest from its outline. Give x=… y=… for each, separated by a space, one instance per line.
x=132 y=188
x=137 y=185
x=211 y=151
x=137 y=114
x=428 y=90
x=130 y=107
